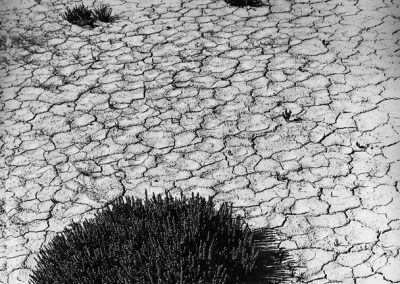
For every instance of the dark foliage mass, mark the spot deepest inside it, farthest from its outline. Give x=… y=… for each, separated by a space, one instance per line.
x=83 y=16
x=161 y=241
x=79 y=15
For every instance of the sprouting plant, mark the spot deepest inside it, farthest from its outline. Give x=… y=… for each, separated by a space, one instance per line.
x=79 y=15
x=361 y=146
x=94 y=57
x=103 y=13
x=280 y=176
x=76 y=56
x=286 y=114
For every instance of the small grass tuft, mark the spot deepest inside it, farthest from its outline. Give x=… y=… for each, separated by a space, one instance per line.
x=103 y=13
x=79 y=15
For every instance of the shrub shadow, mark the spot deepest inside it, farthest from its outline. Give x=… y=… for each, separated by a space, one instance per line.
x=274 y=264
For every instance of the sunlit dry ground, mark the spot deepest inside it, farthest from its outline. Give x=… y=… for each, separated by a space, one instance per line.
x=189 y=96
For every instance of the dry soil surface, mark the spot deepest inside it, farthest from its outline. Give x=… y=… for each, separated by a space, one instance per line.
x=290 y=111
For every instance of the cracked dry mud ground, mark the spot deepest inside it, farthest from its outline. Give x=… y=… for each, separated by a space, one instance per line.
x=188 y=96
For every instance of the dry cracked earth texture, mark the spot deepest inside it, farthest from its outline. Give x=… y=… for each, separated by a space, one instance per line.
x=290 y=111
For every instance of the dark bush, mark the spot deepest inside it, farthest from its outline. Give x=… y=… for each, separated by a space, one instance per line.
x=163 y=241
x=103 y=13
x=79 y=15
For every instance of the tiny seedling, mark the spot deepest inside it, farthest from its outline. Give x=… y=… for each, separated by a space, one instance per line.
x=53 y=200
x=79 y=15
x=76 y=56
x=286 y=114
x=95 y=58
x=280 y=177
x=361 y=146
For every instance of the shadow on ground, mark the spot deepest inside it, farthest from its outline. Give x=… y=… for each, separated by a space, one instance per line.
x=274 y=265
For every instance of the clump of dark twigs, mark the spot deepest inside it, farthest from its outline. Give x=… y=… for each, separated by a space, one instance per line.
x=83 y=16
x=79 y=15
x=164 y=241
